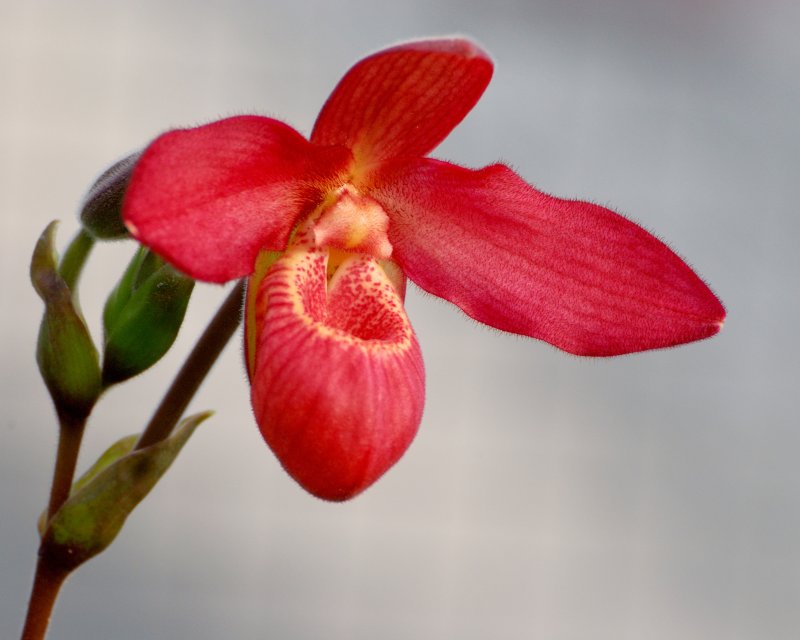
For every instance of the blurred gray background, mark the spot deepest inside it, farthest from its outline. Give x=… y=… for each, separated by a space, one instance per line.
x=651 y=496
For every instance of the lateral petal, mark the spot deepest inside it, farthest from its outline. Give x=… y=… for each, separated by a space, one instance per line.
x=209 y=199
x=403 y=101
x=338 y=381
x=572 y=273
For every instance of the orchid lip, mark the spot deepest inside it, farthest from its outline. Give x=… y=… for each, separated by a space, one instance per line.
x=337 y=376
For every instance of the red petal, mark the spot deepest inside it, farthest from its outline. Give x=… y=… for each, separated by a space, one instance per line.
x=209 y=199
x=572 y=273
x=338 y=382
x=405 y=100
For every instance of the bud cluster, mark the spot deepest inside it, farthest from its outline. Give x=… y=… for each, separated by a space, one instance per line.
x=141 y=318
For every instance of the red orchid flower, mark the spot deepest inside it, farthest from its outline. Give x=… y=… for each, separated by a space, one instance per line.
x=328 y=229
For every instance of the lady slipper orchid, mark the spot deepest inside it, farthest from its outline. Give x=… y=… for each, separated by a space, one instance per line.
x=328 y=229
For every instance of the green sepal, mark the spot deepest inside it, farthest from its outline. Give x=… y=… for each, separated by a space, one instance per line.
x=121 y=447
x=142 y=316
x=103 y=498
x=101 y=210
x=143 y=264
x=65 y=352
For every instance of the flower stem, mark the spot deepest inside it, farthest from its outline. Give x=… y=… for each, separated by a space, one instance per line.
x=75 y=257
x=50 y=575
x=195 y=369
x=71 y=428
x=46 y=585
x=70 y=436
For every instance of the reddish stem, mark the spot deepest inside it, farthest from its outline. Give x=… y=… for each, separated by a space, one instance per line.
x=194 y=370
x=46 y=585
x=70 y=436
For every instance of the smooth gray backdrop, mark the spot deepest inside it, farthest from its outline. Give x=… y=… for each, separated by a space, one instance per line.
x=547 y=496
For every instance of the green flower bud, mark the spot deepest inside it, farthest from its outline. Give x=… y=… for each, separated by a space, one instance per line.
x=101 y=211
x=66 y=355
x=142 y=316
x=143 y=264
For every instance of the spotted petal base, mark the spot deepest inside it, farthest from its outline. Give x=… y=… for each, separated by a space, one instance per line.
x=337 y=377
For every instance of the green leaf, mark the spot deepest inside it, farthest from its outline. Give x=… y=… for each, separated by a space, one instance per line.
x=65 y=352
x=105 y=496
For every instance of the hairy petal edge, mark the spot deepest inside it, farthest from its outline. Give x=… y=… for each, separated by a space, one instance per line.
x=209 y=199
x=572 y=273
x=405 y=100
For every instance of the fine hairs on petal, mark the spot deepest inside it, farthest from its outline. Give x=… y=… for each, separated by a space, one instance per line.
x=329 y=229
x=405 y=100
x=572 y=273
x=209 y=199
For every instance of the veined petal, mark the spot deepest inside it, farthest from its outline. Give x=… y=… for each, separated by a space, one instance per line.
x=337 y=381
x=209 y=199
x=403 y=101
x=574 y=274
